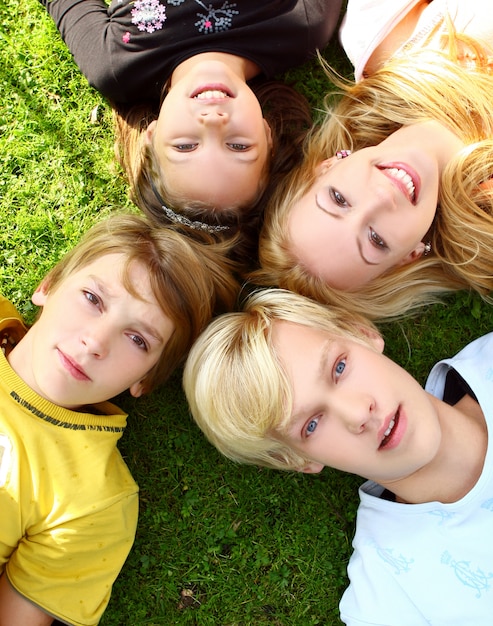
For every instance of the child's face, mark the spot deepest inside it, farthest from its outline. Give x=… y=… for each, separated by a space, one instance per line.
x=94 y=339
x=353 y=408
x=370 y=212
x=211 y=139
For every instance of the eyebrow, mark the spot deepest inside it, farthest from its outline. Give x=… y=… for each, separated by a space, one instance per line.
x=299 y=414
x=150 y=330
x=100 y=285
x=358 y=241
x=147 y=328
x=324 y=355
x=360 y=250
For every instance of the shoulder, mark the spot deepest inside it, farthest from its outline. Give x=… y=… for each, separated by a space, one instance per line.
x=12 y=327
x=366 y=24
x=8 y=311
x=474 y=363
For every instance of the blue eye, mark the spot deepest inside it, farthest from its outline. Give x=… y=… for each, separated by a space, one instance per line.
x=339 y=368
x=311 y=427
x=337 y=197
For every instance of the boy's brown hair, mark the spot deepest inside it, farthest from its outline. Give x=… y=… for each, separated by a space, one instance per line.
x=190 y=281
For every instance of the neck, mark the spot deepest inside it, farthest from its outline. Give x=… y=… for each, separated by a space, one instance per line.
x=432 y=136
x=244 y=68
x=442 y=139
x=458 y=464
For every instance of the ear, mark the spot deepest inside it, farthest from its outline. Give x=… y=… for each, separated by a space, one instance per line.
x=414 y=255
x=150 y=132
x=40 y=295
x=137 y=389
x=268 y=132
x=324 y=166
x=311 y=468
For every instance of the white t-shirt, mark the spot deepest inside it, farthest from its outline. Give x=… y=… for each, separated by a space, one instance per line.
x=431 y=563
x=367 y=23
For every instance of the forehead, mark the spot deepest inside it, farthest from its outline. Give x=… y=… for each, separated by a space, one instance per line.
x=291 y=340
x=111 y=264
x=114 y=271
x=315 y=331
x=303 y=350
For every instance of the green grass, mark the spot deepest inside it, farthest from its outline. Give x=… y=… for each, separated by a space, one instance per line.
x=217 y=544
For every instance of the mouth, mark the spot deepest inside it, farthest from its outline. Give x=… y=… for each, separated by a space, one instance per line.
x=390 y=430
x=72 y=367
x=406 y=179
x=212 y=92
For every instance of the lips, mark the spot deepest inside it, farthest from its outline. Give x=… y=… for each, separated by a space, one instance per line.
x=72 y=367
x=406 y=179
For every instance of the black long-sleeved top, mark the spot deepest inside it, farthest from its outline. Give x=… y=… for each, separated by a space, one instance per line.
x=129 y=49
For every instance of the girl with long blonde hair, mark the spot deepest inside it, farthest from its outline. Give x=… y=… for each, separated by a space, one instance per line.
x=392 y=204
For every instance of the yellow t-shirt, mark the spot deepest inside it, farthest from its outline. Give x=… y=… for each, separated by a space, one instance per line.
x=68 y=502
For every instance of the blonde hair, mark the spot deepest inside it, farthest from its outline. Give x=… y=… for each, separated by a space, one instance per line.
x=237 y=389
x=189 y=281
x=425 y=85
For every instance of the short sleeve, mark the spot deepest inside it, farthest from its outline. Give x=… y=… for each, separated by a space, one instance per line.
x=68 y=570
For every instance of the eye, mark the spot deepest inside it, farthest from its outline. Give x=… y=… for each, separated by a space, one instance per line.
x=338 y=198
x=139 y=342
x=186 y=147
x=92 y=298
x=376 y=240
x=311 y=427
x=339 y=368
x=238 y=147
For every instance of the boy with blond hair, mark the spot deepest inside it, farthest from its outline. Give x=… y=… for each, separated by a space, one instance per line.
x=299 y=386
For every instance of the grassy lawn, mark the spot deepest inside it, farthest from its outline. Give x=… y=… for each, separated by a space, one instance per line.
x=217 y=544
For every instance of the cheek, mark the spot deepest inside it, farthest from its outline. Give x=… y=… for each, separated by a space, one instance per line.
x=427 y=212
x=305 y=231
x=410 y=231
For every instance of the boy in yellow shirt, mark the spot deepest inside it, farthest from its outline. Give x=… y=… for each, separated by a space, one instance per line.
x=118 y=312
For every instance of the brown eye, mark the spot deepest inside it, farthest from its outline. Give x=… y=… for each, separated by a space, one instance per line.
x=91 y=297
x=238 y=147
x=376 y=240
x=337 y=197
x=138 y=341
x=186 y=147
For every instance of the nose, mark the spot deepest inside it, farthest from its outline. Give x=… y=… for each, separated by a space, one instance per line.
x=213 y=117
x=379 y=203
x=355 y=410
x=382 y=194
x=95 y=340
